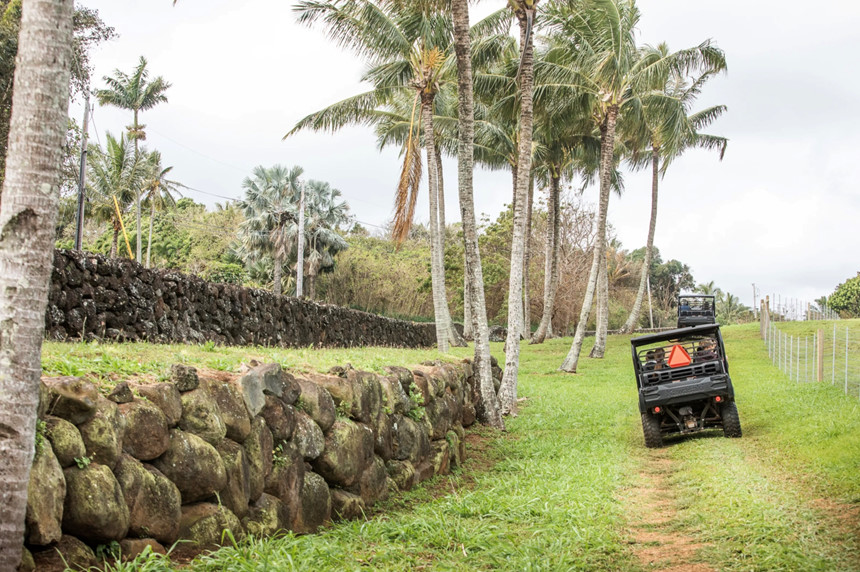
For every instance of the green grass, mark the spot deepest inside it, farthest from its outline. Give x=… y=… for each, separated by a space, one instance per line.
x=552 y=500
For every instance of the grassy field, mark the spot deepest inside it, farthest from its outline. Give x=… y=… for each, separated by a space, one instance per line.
x=570 y=485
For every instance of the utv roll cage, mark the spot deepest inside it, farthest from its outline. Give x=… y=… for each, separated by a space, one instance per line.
x=696 y=310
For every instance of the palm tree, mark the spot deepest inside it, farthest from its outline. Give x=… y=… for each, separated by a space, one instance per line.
x=114 y=173
x=593 y=57
x=668 y=130
x=407 y=47
x=708 y=289
x=136 y=93
x=525 y=12
x=159 y=191
x=271 y=217
x=27 y=216
x=325 y=214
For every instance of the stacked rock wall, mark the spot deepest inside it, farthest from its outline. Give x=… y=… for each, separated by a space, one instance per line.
x=96 y=297
x=250 y=453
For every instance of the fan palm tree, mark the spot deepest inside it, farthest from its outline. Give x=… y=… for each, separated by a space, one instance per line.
x=325 y=214
x=159 y=190
x=271 y=217
x=669 y=131
x=136 y=93
x=114 y=173
x=593 y=59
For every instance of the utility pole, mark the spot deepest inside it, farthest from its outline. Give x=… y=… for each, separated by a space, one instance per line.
x=300 y=263
x=82 y=180
x=755 y=303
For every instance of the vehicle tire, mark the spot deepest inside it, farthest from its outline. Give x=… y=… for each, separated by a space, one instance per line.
x=651 y=429
x=731 y=420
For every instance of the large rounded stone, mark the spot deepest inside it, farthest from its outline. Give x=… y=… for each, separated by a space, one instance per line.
x=394 y=398
x=45 y=497
x=202 y=416
x=410 y=440
x=347 y=506
x=372 y=485
x=441 y=457
x=368 y=395
x=103 y=433
x=346 y=453
x=343 y=391
x=308 y=437
x=71 y=398
x=133 y=547
x=68 y=553
x=286 y=479
x=403 y=474
x=258 y=448
x=27 y=563
x=316 y=402
x=230 y=402
x=280 y=417
x=166 y=397
x=206 y=525
x=153 y=501
x=94 y=508
x=384 y=436
x=65 y=440
x=267 y=379
x=193 y=465
x=146 y=435
x=184 y=377
x=237 y=493
x=315 y=505
x=438 y=414
x=266 y=517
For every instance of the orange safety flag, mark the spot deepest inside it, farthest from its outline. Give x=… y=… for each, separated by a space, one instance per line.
x=679 y=357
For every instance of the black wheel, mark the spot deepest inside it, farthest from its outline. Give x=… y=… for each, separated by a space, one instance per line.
x=731 y=420
x=651 y=429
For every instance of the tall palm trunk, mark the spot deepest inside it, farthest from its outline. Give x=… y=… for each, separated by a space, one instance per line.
x=633 y=319
x=602 y=311
x=468 y=331
x=508 y=388
x=488 y=406
x=440 y=184
x=137 y=190
x=550 y=281
x=27 y=216
x=149 y=240
x=527 y=318
x=444 y=327
x=115 y=242
x=607 y=147
x=277 y=273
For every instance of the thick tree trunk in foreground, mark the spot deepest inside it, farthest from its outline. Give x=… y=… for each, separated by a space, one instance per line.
x=550 y=281
x=488 y=406
x=633 y=319
x=508 y=388
x=607 y=147
x=27 y=216
x=602 y=311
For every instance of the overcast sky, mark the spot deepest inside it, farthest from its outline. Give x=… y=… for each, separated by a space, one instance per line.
x=781 y=210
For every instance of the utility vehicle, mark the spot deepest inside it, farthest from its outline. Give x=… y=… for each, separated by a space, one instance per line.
x=684 y=384
x=695 y=310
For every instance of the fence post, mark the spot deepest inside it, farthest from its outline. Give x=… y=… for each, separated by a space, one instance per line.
x=846 y=360
x=790 y=356
x=833 y=367
x=819 y=354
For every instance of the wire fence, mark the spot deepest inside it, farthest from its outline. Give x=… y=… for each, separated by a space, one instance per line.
x=814 y=350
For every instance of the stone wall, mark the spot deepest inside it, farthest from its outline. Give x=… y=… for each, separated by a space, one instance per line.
x=97 y=297
x=252 y=453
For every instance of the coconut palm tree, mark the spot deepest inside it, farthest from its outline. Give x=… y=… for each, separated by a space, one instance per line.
x=593 y=54
x=271 y=217
x=136 y=93
x=114 y=175
x=28 y=213
x=159 y=190
x=669 y=131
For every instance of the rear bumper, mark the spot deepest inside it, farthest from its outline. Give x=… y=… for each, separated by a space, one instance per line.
x=685 y=391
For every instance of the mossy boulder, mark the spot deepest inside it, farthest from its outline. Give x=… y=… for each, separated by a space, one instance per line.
x=236 y=494
x=130 y=548
x=346 y=505
x=146 y=432
x=46 y=495
x=263 y=380
x=166 y=397
x=308 y=437
x=68 y=553
x=27 y=563
x=402 y=473
x=439 y=415
x=94 y=508
x=315 y=504
x=266 y=516
x=316 y=402
x=193 y=465
x=205 y=525
x=394 y=397
x=258 y=448
x=65 y=440
x=441 y=457
x=346 y=453
x=368 y=391
x=121 y=393
x=410 y=440
x=184 y=377
x=372 y=485
x=103 y=433
x=231 y=403
x=71 y=398
x=287 y=479
x=153 y=501
x=280 y=417
x=202 y=416
x=343 y=391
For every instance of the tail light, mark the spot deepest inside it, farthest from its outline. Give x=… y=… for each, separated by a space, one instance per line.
x=657 y=410
x=718 y=399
